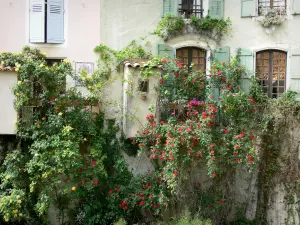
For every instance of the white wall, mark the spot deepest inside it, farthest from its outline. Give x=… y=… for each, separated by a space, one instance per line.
x=8 y=115
x=82 y=29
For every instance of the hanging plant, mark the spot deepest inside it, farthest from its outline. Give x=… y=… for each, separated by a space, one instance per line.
x=270 y=17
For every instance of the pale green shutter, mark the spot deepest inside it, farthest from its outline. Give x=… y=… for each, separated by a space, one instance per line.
x=55 y=21
x=221 y=54
x=247 y=8
x=296 y=7
x=295 y=70
x=37 y=21
x=168 y=52
x=216 y=9
x=170 y=7
x=246 y=60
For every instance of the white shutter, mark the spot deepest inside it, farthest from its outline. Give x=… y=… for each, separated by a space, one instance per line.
x=295 y=70
x=37 y=21
x=55 y=21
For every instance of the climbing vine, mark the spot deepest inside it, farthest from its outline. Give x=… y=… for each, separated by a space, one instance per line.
x=170 y=26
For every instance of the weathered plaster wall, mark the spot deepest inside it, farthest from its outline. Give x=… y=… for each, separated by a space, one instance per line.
x=7 y=112
x=135 y=108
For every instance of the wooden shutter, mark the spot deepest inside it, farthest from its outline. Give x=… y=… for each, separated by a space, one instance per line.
x=216 y=9
x=248 y=8
x=37 y=21
x=55 y=21
x=170 y=7
x=296 y=7
x=221 y=54
x=295 y=70
x=246 y=60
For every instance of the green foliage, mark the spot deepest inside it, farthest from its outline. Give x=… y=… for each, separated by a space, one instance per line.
x=170 y=26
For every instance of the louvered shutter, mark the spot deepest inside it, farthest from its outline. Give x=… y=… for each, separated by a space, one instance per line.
x=55 y=21
x=296 y=7
x=168 y=52
x=221 y=54
x=37 y=21
x=246 y=60
x=248 y=8
x=295 y=70
x=170 y=7
x=216 y=9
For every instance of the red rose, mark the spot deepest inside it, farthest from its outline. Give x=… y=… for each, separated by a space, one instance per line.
x=214 y=175
x=150 y=196
x=110 y=191
x=163 y=60
x=95 y=182
x=199 y=154
x=94 y=162
x=225 y=131
x=80 y=170
x=252 y=137
x=141 y=203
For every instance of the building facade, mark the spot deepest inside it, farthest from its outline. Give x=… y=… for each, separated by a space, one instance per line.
x=71 y=29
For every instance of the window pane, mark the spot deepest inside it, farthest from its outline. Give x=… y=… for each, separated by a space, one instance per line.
x=190 y=55
x=271 y=70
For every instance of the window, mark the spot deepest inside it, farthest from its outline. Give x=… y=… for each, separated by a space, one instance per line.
x=143 y=86
x=189 y=55
x=50 y=62
x=271 y=71
x=263 y=4
x=46 y=21
x=189 y=7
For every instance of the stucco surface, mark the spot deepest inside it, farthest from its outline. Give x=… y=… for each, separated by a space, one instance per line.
x=7 y=112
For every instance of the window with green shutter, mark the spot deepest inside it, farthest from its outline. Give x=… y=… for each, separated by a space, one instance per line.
x=296 y=7
x=246 y=58
x=221 y=54
x=248 y=8
x=295 y=70
x=216 y=9
x=170 y=7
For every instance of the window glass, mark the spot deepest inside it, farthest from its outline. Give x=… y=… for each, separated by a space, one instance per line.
x=271 y=71
x=189 y=55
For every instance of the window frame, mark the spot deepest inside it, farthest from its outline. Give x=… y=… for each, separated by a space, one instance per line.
x=190 y=55
x=271 y=6
x=191 y=8
x=270 y=70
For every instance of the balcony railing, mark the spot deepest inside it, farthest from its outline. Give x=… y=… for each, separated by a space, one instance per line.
x=191 y=7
